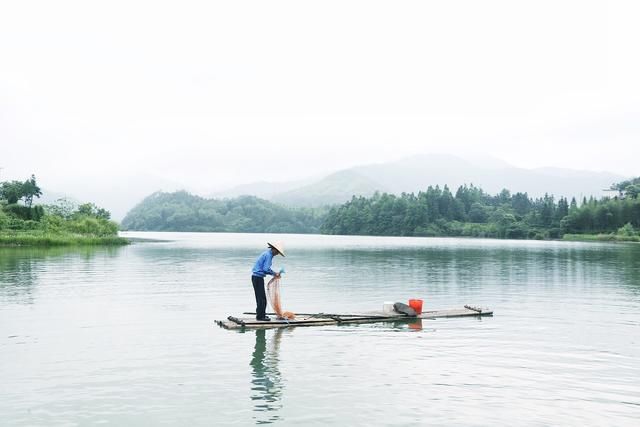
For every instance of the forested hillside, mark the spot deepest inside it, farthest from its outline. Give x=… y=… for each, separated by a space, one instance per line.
x=472 y=212
x=434 y=212
x=181 y=211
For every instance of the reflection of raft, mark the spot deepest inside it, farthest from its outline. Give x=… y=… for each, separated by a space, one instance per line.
x=307 y=319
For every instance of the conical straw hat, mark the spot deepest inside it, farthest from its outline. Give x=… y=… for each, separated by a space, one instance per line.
x=278 y=246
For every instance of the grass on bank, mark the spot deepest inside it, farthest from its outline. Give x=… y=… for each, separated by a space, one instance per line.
x=53 y=225
x=600 y=238
x=38 y=238
x=626 y=233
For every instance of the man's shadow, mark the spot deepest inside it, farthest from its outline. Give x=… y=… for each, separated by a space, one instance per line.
x=266 y=382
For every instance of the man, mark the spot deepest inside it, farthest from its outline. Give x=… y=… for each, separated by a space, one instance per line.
x=261 y=269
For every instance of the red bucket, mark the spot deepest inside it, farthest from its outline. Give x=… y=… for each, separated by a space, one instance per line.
x=416 y=304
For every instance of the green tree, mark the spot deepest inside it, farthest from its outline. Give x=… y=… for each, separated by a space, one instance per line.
x=562 y=209
x=632 y=191
x=627 y=230
x=30 y=189
x=521 y=204
x=63 y=208
x=478 y=213
x=11 y=191
x=573 y=206
x=90 y=209
x=504 y=197
x=629 y=188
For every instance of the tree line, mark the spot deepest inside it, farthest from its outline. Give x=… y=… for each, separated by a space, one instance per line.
x=435 y=212
x=23 y=221
x=472 y=212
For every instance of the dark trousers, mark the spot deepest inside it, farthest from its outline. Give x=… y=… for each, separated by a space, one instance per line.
x=261 y=296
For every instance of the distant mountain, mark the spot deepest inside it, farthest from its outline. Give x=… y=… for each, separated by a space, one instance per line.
x=335 y=188
x=262 y=189
x=418 y=172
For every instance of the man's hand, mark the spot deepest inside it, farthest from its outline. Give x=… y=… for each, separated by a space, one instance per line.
x=277 y=275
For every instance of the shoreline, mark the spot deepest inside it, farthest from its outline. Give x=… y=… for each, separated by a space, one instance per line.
x=603 y=238
x=31 y=239
x=35 y=239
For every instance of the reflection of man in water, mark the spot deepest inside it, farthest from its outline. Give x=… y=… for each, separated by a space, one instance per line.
x=266 y=383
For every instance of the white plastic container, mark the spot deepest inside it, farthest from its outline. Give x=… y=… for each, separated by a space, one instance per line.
x=387 y=307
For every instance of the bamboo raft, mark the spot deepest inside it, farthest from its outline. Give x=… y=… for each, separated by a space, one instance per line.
x=319 y=319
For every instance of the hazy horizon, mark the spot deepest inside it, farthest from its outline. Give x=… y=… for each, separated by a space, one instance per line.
x=119 y=199
x=122 y=99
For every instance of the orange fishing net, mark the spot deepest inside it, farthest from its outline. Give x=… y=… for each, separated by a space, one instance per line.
x=273 y=292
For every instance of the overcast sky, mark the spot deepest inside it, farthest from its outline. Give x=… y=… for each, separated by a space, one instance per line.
x=208 y=94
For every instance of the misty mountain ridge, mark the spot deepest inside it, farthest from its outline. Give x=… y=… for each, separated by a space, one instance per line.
x=262 y=189
x=411 y=174
x=416 y=173
x=335 y=188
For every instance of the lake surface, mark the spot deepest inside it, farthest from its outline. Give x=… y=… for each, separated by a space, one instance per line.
x=126 y=336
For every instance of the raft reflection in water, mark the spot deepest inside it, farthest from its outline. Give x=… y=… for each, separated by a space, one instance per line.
x=416 y=326
x=266 y=384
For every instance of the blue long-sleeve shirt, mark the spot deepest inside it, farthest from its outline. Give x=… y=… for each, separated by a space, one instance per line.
x=262 y=267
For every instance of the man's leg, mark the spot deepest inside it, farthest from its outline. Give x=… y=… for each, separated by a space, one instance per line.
x=261 y=297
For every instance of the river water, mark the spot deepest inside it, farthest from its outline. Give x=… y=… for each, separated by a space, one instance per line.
x=126 y=336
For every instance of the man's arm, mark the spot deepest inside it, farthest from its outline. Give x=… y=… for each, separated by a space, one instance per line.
x=266 y=266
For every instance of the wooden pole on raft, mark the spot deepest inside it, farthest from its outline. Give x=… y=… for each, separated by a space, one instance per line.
x=391 y=315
